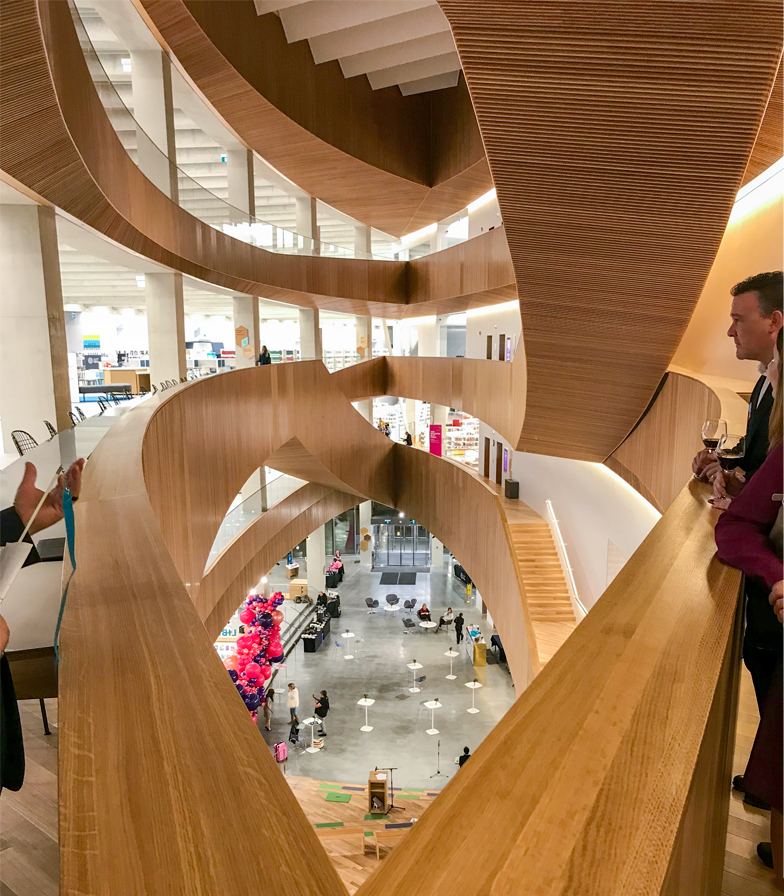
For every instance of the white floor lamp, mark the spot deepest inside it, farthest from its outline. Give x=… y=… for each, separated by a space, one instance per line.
x=433 y=705
x=366 y=701
x=414 y=666
x=451 y=654
x=473 y=685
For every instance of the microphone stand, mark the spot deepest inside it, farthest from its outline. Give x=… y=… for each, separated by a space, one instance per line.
x=438 y=772
x=391 y=788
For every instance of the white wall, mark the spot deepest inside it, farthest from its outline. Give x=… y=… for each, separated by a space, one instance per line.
x=118 y=332
x=493 y=321
x=484 y=218
x=593 y=507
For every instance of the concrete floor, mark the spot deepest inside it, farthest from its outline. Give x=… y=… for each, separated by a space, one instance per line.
x=381 y=651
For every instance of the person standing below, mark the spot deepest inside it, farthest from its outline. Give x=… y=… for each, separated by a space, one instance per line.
x=292 y=701
x=321 y=708
x=757 y=317
x=269 y=703
x=264 y=357
x=465 y=757
x=408 y=440
x=459 y=622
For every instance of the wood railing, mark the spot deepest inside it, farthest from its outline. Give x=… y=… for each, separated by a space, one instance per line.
x=611 y=766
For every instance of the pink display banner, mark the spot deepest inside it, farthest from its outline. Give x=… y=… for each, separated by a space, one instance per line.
x=435 y=439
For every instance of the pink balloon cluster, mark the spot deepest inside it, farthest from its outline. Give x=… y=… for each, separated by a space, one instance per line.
x=257 y=649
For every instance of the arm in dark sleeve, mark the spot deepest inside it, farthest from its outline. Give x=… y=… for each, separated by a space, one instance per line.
x=742 y=532
x=11 y=528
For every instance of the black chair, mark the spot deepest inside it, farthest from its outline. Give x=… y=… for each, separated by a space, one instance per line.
x=392 y=600
x=115 y=399
x=154 y=389
x=23 y=441
x=75 y=421
x=371 y=604
x=52 y=431
x=408 y=624
x=101 y=406
x=183 y=379
x=409 y=605
x=79 y=413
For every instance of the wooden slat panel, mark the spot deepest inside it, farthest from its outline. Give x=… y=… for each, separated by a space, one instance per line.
x=769 y=145
x=617 y=135
x=656 y=457
x=396 y=163
x=59 y=143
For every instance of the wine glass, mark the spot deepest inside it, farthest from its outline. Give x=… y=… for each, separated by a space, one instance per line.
x=714 y=433
x=731 y=450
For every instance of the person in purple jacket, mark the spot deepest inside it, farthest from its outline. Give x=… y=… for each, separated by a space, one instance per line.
x=749 y=537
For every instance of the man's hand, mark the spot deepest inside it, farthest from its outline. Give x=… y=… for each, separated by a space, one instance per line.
x=51 y=512
x=776 y=599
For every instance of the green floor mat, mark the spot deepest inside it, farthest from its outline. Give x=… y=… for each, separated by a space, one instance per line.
x=334 y=797
x=376 y=817
x=330 y=824
x=330 y=786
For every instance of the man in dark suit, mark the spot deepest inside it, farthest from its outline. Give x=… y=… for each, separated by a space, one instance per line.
x=756 y=320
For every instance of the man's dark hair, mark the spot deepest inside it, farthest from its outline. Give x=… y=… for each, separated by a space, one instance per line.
x=466 y=750
x=768 y=287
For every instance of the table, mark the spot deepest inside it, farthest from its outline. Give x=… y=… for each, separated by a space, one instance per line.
x=433 y=705
x=347 y=635
x=414 y=666
x=474 y=685
x=137 y=378
x=311 y=723
x=314 y=635
x=366 y=701
x=451 y=654
x=427 y=625
x=292 y=571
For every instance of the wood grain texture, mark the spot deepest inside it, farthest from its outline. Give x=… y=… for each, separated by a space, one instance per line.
x=132 y=800
x=597 y=757
x=392 y=162
x=769 y=145
x=59 y=143
x=655 y=458
x=493 y=391
x=617 y=136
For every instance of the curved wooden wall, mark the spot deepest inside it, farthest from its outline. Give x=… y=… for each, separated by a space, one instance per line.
x=655 y=458
x=58 y=143
x=396 y=163
x=619 y=744
x=493 y=391
x=769 y=145
x=617 y=135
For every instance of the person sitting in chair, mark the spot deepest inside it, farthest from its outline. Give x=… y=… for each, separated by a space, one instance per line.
x=446 y=619
x=321 y=600
x=423 y=613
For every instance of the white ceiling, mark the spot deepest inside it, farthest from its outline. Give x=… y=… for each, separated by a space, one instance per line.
x=391 y=42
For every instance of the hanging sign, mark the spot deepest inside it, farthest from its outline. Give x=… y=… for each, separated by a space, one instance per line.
x=435 y=439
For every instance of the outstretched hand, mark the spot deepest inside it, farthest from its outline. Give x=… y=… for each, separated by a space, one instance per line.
x=51 y=512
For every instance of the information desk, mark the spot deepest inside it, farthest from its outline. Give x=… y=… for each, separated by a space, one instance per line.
x=476 y=646
x=315 y=634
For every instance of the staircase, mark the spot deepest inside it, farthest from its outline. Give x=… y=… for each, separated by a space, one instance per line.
x=546 y=591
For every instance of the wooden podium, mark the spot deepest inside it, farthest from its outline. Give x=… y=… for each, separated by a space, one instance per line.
x=378 y=791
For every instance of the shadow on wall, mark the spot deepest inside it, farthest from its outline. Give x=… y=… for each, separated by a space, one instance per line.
x=594 y=508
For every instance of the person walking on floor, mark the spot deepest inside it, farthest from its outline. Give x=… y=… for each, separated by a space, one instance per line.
x=465 y=757
x=269 y=703
x=292 y=701
x=459 y=621
x=264 y=357
x=321 y=704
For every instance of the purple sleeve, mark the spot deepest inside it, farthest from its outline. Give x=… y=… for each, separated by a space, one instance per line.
x=742 y=532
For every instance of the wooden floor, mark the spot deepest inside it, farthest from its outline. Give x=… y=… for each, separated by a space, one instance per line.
x=29 y=862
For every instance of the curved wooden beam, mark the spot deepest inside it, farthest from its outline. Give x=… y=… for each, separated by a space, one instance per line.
x=617 y=137
x=769 y=145
x=493 y=391
x=372 y=160
x=59 y=143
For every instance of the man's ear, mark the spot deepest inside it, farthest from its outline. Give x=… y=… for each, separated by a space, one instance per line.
x=776 y=321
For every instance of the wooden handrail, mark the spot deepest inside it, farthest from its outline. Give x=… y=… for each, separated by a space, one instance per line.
x=620 y=745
